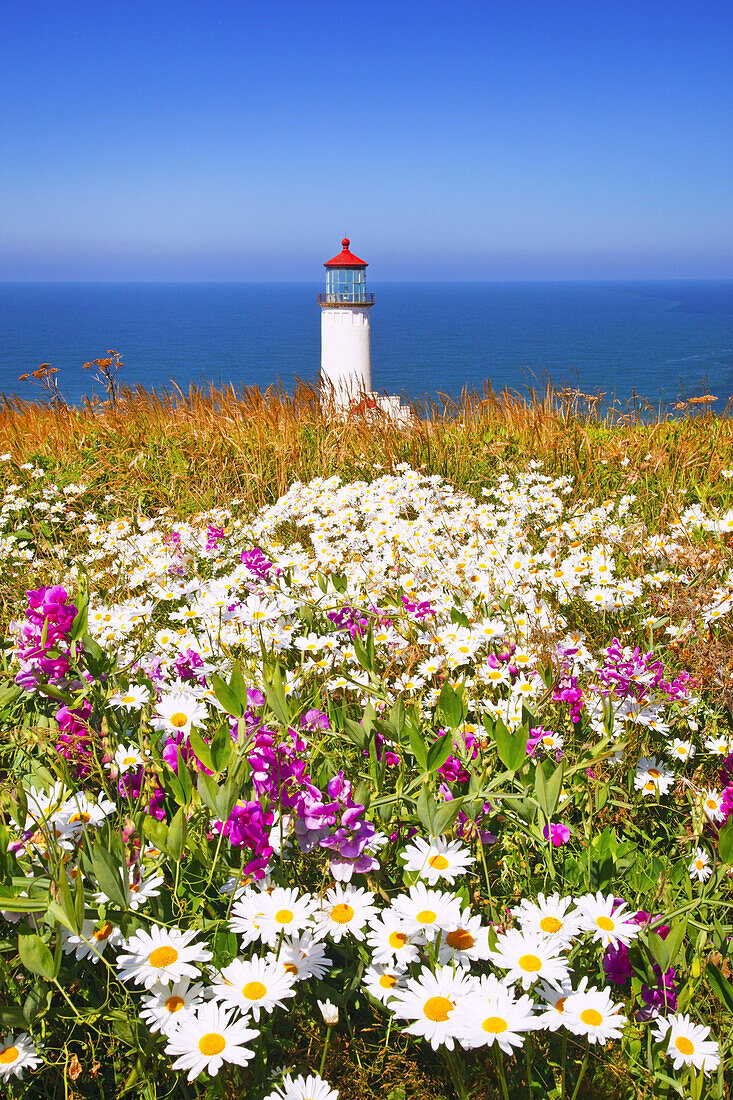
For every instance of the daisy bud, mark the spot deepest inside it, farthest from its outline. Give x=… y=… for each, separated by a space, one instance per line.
x=329 y=1012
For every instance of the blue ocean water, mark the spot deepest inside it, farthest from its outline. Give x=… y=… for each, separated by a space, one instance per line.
x=662 y=339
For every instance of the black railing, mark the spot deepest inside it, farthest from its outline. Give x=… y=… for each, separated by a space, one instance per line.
x=348 y=297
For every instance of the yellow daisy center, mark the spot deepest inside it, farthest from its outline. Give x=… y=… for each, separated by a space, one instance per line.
x=460 y=939
x=284 y=916
x=397 y=940
x=179 y=720
x=211 y=1043
x=550 y=924
x=655 y=773
x=83 y=816
x=494 y=1025
x=699 y=864
x=174 y=1004
x=291 y=968
x=711 y=804
x=8 y=1055
x=530 y=963
x=591 y=1017
x=254 y=991
x=684 y=1045
x=130 y=760
x=104 y=932
x=438 y=862
x=127 y=698
x=437 y=1009
x=427 y=916
x=162 y=957
x=605 y=924
x=560 y=1005
x=342 y=913
x=387 y=981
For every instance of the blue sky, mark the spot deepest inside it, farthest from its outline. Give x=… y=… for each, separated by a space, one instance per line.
x=521 y=139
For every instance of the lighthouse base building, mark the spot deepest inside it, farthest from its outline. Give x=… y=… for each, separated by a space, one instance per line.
x=346 y=353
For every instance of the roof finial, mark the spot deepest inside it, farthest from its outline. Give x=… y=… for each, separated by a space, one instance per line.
x=346 y=242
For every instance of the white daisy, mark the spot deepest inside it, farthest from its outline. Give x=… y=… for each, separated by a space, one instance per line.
x=382 y=982
x=345 y=910
x=311 y=1087
x=437 y=859
x=700 y=866
x=551 y=918
x=17 y=1053
x=466 y=944
x=248 y=913
x=208 y=1038
x=427 y=913
x=126 y=757
x=93 y=939
x=688 y=1043
x=429 y=1001
x=681 y=750
x=592 y=1013
x=712 y=804
x=254 y=985
x=491 y=1013
x=527 y=958
x=165 y=1006
x=283 y=910
x=161 y=955
x=652 y=777
x=389 y=940
x=132 y=698
x=302 y=956
x=177 y=712
x=609 y=923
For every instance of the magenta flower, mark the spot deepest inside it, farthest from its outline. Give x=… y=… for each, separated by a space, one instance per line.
x=556 y=833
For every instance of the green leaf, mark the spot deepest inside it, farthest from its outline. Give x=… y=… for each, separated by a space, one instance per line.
x=356 y=732
x=725 y=843
x=208 y=790
x=275 y=694
x=156 y=832
x=201 y=749
x=450 y=706
x=512 y=749
x=418 y=747
x=439 y=752
x=36 y=957
x=446 y=814
x=426 y=807
x=109 y=875
x=227 y=697
x=177 y=831
x=719 y=985
x=14 y=904
x=222 y=748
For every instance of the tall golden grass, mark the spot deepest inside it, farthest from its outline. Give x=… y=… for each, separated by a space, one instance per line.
x=191 y=450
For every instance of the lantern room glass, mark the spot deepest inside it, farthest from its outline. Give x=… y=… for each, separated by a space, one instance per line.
x=345 y=284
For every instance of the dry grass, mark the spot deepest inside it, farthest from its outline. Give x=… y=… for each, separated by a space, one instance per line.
x=204 y=447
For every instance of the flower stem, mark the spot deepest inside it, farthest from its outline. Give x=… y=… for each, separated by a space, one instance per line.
x=583 y=1068
x=502 y=1073
x=325 y=1051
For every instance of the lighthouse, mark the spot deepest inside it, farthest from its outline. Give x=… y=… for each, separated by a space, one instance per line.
x=346 y=354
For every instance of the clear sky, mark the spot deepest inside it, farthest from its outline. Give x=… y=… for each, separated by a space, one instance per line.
x=450 y=139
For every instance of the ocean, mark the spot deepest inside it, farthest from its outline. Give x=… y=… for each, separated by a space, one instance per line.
x=664 y=340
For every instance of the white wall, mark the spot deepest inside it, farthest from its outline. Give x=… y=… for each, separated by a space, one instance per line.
x=346 y=357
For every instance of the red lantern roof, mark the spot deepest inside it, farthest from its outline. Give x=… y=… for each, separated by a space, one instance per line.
x=346 y=258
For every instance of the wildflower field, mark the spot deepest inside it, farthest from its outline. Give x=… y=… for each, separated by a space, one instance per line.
x=344 y=761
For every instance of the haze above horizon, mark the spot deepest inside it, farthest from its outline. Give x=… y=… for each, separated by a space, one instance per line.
x=227 y=141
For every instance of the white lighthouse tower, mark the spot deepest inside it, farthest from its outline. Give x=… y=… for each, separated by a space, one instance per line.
x=346 y=354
